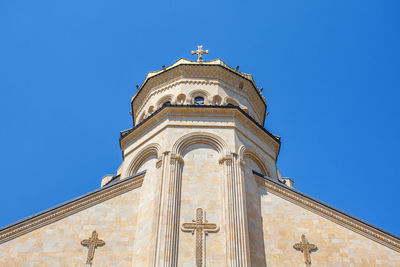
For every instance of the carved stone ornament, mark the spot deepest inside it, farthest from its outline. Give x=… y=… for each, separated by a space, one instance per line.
x=201 y=227
x=199 y=52
x=306 y=248
x=92 y=243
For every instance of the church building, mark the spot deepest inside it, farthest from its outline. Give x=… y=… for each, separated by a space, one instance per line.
x=198 y=186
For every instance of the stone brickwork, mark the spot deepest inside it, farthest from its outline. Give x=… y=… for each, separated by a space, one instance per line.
x=284 y=222
x=201 y=188
x=59 y=243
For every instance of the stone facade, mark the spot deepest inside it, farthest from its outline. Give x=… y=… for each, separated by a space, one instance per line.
x=337 y=245
x=59 y=243
x=182 y=157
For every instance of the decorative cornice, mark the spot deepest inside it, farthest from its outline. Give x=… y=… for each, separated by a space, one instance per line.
x=203 y=108
x=186 y=63
x=211 y=71
x=328 y=212
x=143 y=100
x=71 y=207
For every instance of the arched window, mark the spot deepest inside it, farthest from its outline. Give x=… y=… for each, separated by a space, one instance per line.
x=167 y=103
x=199 y=100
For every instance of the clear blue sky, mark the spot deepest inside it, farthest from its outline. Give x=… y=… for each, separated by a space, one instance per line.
x=330 y=72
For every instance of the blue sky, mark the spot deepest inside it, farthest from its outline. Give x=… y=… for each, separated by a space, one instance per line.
x=330 y=72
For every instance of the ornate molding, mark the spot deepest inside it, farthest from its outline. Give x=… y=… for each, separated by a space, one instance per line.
x=160 y=120
x=226 y=159
x=71 y=207
x=175 y=158
x=330 y=213
x=225 y=80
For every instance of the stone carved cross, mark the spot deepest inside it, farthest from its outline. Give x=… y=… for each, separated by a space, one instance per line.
x=199 y=52
x=92 y=243
x=201 y=227
x=306 y=248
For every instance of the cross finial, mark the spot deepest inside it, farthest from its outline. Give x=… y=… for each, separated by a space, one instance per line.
x=199 y=52
x=306 y=248
x=92 y=243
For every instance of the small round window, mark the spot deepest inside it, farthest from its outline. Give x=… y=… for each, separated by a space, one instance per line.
x=198 y=100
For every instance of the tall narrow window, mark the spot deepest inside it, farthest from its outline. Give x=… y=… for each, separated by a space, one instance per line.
x=198 y=100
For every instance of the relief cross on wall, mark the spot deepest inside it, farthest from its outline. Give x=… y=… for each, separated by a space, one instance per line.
x=201 y=227
x=306 y=248
x=92 y=243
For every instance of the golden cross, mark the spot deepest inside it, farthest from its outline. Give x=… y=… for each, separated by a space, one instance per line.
x=202 y=228
x=92 y=243
x=199 y=52
x=306 y=248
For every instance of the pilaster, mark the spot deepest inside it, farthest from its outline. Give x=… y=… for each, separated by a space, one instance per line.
x=237 y=244
x=168 y=226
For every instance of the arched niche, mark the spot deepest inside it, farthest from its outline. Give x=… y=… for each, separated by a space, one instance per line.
x=201 y=183
x=180 y=100
x=203 y=138
x=253 y=160
x=144 y=159
x=165 y=99
x=217 y=100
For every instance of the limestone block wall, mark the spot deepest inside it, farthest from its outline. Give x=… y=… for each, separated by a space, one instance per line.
x=59 y=243
x=202 y=179
x=284 y=222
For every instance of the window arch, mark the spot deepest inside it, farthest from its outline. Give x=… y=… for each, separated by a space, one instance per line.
x=166 y=103
x=199 y=100
x=198 y=94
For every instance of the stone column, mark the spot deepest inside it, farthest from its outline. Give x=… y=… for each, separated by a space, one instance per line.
x=238 y=251
x=166 y=253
